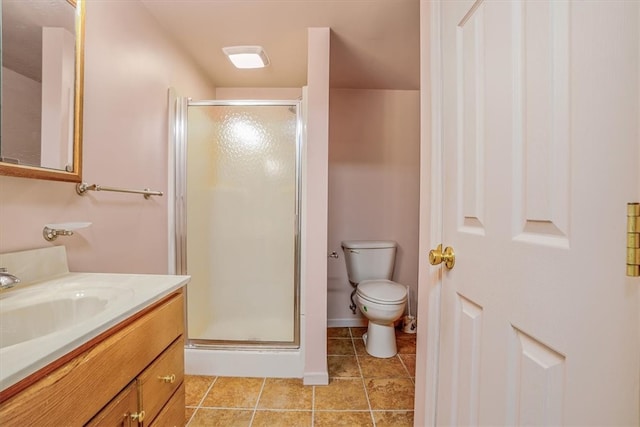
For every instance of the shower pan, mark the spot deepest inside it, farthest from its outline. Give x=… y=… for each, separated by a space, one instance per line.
x=238 y=228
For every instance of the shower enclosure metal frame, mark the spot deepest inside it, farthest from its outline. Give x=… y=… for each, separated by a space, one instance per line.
x=180 y=156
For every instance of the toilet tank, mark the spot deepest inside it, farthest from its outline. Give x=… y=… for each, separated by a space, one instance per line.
x=369 y=259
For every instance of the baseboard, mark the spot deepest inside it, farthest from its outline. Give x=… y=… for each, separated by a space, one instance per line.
x=241 y=363
x=347 y=323
x=315 y=378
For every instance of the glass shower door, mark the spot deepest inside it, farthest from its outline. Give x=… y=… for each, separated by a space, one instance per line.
x=242 y=223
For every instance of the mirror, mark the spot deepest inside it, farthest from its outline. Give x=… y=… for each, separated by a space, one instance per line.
x=42 y=82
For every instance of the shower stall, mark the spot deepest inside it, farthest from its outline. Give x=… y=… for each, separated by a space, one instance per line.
x=237 y=229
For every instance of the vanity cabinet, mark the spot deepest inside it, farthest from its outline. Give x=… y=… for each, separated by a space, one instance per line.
x=131 y=375
x=143 y=399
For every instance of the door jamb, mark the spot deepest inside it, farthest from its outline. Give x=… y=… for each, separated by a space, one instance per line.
x=430 y=278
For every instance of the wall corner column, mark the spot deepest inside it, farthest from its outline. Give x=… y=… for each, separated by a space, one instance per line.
x=315 y=208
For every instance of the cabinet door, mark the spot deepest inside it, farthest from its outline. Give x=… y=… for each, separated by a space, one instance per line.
x=172 y=415
x=161 y=379
x=120 y=412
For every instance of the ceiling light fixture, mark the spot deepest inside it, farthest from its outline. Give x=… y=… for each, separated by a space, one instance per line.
x=247 y=56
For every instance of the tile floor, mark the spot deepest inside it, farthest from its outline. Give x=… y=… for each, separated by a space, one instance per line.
x=362 y=391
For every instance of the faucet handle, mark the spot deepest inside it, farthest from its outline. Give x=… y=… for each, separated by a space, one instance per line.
x=7 y=280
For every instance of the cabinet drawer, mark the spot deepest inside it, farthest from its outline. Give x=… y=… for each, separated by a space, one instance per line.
x=172 y=414
x=161 y=379
x=118 y=412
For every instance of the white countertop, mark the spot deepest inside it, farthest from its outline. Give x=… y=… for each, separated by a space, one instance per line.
x=130 y=294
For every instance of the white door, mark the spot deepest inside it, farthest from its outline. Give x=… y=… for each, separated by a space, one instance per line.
x=539 y=324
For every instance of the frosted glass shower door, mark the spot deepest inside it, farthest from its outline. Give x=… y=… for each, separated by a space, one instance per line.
x=242 y=223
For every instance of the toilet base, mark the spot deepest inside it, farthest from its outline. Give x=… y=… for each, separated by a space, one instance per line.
x=380 y=340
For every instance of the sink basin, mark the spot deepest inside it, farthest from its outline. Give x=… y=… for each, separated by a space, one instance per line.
x=30 y=316
x=45 y=318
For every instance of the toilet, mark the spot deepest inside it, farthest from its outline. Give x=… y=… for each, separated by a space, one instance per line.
x=382 y=301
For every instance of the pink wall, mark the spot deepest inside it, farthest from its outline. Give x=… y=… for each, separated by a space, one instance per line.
x=21 y=97
x=314 y=211
x=374 y=184
x=276 y=93
x=129 y=66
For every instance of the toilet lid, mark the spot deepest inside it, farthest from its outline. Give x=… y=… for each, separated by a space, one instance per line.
x=382 y=291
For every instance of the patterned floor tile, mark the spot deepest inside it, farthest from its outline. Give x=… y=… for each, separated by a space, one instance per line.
x=406 y=343
x=231 y=392
x=390 y=393
x=393 y=418
x=195 y=388
x=338 y=333
x=341 y=394
x=343 y=367
x=363 y=391
x=358 y=332
x=282 y=418
x=358 y=343
x=340 y=347
x=285 y=393
x=409 y=360
x=188 y=413
x=342 y=418
x=205 y=417
x=374 y=367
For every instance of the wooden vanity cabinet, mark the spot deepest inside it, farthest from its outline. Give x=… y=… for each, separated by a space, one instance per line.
x=136 y=366
x=141 y=402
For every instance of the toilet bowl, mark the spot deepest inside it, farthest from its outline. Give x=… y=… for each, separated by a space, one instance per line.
x=370 y=269
x=382 y=302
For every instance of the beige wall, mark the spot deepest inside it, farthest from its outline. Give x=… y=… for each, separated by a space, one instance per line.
x=130 y=64
x=374 y=172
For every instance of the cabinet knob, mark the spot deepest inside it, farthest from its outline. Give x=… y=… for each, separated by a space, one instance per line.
x=168 y=379
x=138 y=416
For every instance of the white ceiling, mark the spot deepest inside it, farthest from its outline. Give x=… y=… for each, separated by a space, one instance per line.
x=374 y=43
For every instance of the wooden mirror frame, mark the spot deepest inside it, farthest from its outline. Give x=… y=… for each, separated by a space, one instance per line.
x=25 y=171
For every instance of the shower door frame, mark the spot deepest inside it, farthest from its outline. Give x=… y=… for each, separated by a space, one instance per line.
x=180 y=156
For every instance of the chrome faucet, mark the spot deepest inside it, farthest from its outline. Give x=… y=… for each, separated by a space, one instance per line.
x=7 y=280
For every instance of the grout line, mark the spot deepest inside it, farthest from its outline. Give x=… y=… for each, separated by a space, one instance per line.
x=199 y=404
x=274 y=409
x=364 y=385
x=313 y=405
x=206 y=393
x=227 y=408
x=403 y=365
x=255 y=407
x=191 y=417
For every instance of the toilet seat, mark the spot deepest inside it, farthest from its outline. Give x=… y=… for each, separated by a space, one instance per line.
x=382 y=291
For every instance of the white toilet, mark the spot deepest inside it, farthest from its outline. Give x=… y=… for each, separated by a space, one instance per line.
x=382 y=301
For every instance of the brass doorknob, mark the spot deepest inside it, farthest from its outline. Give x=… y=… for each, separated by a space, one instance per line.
x=436 y=256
